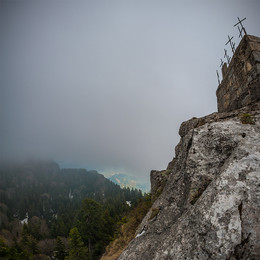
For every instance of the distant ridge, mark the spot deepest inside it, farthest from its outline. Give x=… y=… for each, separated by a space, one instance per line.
x=127 y=181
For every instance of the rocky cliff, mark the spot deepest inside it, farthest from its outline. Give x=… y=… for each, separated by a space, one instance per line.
x=208 y=204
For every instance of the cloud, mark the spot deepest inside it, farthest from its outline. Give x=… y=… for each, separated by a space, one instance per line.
x=107 y=85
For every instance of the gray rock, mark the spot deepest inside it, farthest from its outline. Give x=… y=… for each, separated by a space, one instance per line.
x=158 y=180
x=210 y=205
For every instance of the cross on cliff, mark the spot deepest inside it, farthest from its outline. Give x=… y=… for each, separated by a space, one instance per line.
x=226 y=56
x=240 y=23
x=218 y=77
x=222 y=63
x=232 y=45
x=240 y=32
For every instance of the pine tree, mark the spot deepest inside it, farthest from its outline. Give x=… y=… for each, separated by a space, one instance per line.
x=28 y=242
x=91 y=226
x=4 y=250
x=77 y=250
x=59 y=250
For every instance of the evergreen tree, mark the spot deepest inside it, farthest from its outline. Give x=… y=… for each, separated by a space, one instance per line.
x=59 y=250
x=77 y=250
x=91 y=226
x=4 y=250
x=28 y=242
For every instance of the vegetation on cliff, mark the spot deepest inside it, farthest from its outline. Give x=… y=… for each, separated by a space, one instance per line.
x=127 y=228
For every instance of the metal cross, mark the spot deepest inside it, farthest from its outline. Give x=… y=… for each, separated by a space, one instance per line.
x=222 y=63
x=240 y=31
x=240 y=22
x=218 y=77
x=231 y=44
x=226 y=56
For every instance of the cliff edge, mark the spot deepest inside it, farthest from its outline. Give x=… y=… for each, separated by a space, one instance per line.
x=208 y=204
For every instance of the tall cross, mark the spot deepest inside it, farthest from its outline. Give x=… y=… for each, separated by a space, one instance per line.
x=226 y=56
x=218 y=77
x=231 y=44
x=240 y=31
x=240 y=22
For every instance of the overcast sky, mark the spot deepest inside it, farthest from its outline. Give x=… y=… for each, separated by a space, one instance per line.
x=106 y=84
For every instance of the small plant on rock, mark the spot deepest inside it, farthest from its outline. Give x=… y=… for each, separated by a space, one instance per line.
x=154 y=213
x=247 y=119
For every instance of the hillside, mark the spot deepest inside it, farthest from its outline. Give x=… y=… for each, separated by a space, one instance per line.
x=47 y=201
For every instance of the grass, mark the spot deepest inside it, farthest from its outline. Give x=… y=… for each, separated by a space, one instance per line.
x=154 y=213
x=247 y=119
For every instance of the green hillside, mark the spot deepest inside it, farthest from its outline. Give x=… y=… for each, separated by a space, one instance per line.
x=40 y=203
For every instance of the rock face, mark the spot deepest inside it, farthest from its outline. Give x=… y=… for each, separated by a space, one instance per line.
x=241 y=85
x=209 y=207
x=159 y=179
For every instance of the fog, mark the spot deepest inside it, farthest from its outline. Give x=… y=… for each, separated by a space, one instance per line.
x=105 y=85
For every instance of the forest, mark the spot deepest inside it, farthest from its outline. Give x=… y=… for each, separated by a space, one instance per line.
x=52 y=213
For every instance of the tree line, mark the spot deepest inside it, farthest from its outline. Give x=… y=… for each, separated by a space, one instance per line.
x=52 y=213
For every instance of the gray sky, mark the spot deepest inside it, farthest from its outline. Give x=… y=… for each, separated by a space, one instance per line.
x=106 y=84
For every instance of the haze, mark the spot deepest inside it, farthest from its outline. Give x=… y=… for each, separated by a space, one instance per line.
x=106 y=84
